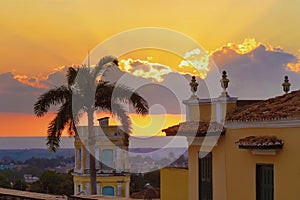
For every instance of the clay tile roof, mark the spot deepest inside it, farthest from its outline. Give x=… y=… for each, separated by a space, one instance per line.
x=285 y=106
x=260 y=142
x=148 y=193
x=193 y=128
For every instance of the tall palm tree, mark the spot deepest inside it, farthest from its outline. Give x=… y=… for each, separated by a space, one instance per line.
x=85 y=93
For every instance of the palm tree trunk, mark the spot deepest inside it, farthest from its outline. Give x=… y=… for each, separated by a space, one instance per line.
x=92 y=142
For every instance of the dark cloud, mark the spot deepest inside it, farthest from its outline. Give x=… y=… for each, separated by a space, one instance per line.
x=32 y=80
x=55 y=79
x=256 y=74
x=16 y=96
x=19 y=95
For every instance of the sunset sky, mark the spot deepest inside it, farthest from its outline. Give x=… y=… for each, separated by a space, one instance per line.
x=38 y=38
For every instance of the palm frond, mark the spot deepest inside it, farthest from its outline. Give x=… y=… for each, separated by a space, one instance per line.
x=123 y=116
x=107 y=93
x=71 y=75
x=53 y=97
x=53 y=136
x=103 y=61
x=62 y=120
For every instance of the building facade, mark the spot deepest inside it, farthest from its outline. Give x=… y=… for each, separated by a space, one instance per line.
x=241 y=149
x=111 y=155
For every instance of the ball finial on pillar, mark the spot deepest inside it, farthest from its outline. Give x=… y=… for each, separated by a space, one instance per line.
x=194 y=86
x=224 y=84
x=286 y=84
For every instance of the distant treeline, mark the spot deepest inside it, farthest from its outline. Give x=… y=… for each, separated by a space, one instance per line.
x=25 y=154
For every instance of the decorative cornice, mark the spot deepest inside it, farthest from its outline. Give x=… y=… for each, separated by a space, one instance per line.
x=265 y=123
x=264 y=152
x=194 y=101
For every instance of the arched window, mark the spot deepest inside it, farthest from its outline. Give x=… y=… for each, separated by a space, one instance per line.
x=108 y=191
x=107 y=159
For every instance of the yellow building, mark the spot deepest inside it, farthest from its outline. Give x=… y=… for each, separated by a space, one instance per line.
x=111 y=161
x=240 y=149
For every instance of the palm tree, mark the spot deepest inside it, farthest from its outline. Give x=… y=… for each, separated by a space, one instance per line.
x=85 y=93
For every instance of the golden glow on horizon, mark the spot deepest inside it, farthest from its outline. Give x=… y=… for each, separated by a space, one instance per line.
x=149 y=125
x=152 y=125
x=17 y=125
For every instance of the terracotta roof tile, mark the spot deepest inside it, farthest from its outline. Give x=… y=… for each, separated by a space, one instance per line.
x=285 y=106
x=193 y=128
x=147 y=193
x=260 y=142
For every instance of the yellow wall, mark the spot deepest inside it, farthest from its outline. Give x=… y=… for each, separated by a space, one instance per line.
x=286 y=163
x=205 y=111
x=194 y=112
x=234 y=169
x=208 y=111
x=104 y=181
x=193 y=171
x=174 y=184
x=227 y=108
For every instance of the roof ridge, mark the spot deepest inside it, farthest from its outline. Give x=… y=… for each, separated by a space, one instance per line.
x=276 y=108
x=263 y=120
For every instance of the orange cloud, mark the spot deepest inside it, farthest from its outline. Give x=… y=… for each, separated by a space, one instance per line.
x=248 y=45
x=195 y=62
x=37 y=81
x=294 y=66
x=144 y=68
x=32 y=81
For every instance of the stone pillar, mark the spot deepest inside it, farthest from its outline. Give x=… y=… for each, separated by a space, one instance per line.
x=98 y=188
x=76 y=159
x=81 y=159
x=87 y=159
x=118 y=159
x=87 y=188
x=219 y=112
x=119 y=189
x=187 y=113
x=127 y=190
x=97 y=157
